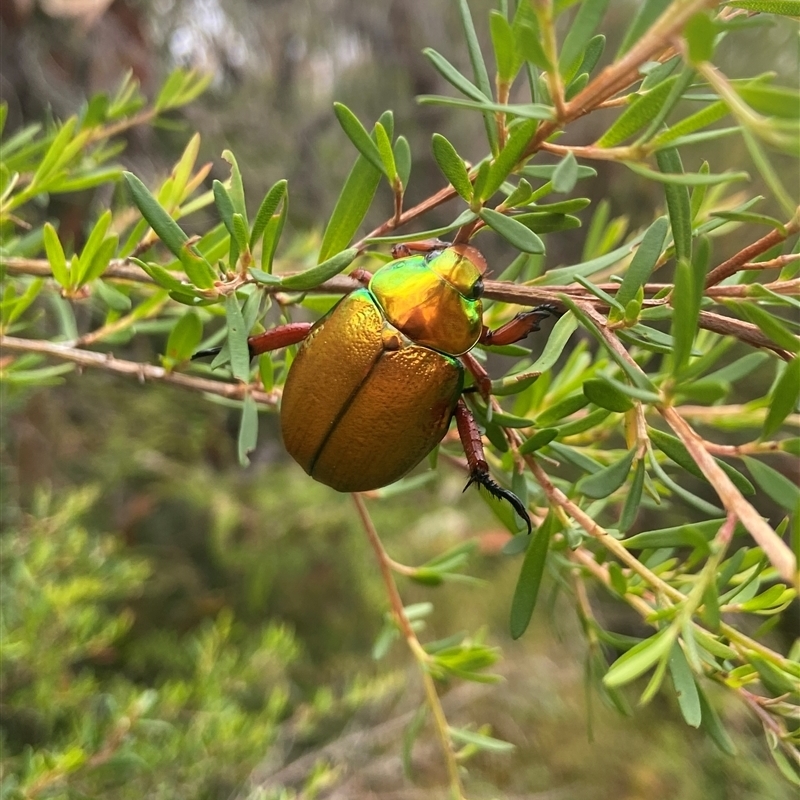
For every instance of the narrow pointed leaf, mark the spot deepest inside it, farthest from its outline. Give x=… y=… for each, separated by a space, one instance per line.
x=321 y=273
x=55 y=255
x=358 y=135
x=530 y=577
x=776 y=485
x=644 y=261
x=267 y=208
x=237 y=339
x=607 y=480
x=248 y=430
x=512 y=231
x=566 y=174
x=784 y=397
x=452 y=166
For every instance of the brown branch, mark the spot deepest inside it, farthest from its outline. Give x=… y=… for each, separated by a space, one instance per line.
x=747 y=254
x=142 y=372
x=776 y=550
x=744 y=331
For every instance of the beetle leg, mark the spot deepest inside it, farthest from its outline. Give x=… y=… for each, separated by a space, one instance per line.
x=482 y=380
x=519 y=327
x=273 y=339
x=478 y=468
x=403 y=249
x=363 y=276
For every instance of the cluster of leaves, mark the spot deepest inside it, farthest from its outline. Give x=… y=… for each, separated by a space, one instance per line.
x=98 y=732
x=580 y=436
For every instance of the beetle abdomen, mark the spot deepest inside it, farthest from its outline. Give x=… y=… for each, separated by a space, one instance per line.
x=362 y=404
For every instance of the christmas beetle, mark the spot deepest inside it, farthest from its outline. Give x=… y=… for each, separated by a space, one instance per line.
x=376 y=381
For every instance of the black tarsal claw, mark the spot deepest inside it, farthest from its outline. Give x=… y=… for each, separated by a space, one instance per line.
x=483 y=479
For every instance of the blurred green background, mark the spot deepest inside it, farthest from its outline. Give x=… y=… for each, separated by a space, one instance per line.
x=249 y=599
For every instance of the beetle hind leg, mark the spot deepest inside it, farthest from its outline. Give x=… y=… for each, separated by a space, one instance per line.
x=478 y=468
x=481 y=478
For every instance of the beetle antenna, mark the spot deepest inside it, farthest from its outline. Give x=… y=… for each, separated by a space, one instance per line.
x=482 y=479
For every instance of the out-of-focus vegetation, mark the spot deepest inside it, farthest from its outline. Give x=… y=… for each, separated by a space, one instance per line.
x=175 y=626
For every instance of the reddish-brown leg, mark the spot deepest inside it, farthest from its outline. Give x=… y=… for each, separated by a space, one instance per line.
x=273 y=339
x=478 y=468
x=363 y=276
x=519 y=327
x=482 y=379
x=403 y=249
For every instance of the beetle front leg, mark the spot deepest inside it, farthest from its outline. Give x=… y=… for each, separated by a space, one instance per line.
x=478 y=468
x=482 y=380
x=273 y=339
x=518 y=328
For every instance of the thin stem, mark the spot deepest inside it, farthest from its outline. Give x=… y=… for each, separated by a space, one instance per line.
x=776 y=550
x=423 y=659
x=143 y=372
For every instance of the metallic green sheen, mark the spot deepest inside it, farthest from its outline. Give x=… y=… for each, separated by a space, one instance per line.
x=363 y=404
x=432 y=311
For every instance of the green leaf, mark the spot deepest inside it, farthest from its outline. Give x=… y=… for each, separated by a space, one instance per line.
x=55 y=152
x=648 y=12
x=237 y=340
x=272 y=234
x=787 y=8
x=479 y=740
x=358 y=135
x=686 y=178
x=112 y=297
x=508 y=63
x=712 y=725
x=605 y=482
x=402 y=157
x=530 y=577
x=508 y=158
x=685 y=687
x=452 y=166
x=248 y=430
x=642 y=110
x=674 y=449
x=540 y=222
x=566 y=174
x=581 y=31
x=197 y=268
x=644 y=261
x=633 y=498
x=237 y=187
x=685 y=302
x=690 y=534
x=783 y=398
x=512 y=231
x=700 y=33
x=478 y=68
x=55 y=255
x=538 y=440
x=386 y=153
x=701 y=119
x=184 y=337
x=91 y=247
x=603 y=394
x=640 y=658
x=267 y=208
x=351 y=207
x=678 y=206
x=453 y=76
x=776 y=485
x=101 y=259
x=770 y=325
x=224 y=204
x=529 y=46
x=556 y=342
x=321 y=273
